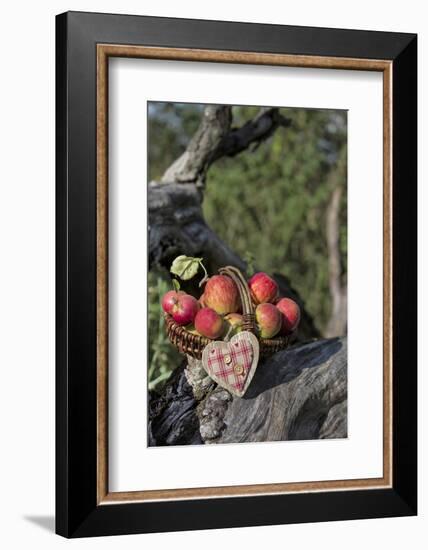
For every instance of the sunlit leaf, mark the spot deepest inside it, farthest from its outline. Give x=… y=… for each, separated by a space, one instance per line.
x=185 y=267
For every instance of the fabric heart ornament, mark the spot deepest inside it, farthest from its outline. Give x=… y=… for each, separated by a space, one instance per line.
x=232 y=364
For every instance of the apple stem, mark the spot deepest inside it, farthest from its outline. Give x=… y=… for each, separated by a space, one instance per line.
x=206 y=277
x=175 y=285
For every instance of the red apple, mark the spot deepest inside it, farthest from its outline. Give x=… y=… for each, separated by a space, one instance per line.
x=268 y=319
x=234 y=322
x=209 y=323
x=181 y=306
x=263 y=288
x=221 y=294
x=170 y=299
x=290 y=315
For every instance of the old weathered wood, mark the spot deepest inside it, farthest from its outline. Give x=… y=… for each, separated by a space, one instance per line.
x=299 y=393
x=172 y=415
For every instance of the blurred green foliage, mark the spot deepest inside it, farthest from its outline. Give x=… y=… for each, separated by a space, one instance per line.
x=162 y=356
x=268 y=203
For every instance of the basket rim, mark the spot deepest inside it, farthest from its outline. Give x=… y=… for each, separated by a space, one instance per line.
x=267 y=341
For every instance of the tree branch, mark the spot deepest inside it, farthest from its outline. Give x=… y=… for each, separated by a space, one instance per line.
x=192 y=165
x=214 y=139
x=253 y=131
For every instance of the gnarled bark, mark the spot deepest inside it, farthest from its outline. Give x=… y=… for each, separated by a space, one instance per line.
x=299 y=393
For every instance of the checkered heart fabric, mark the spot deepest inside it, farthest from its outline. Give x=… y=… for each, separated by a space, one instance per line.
x=232 y=364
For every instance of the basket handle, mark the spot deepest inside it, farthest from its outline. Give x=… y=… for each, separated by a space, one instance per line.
x=244 y=292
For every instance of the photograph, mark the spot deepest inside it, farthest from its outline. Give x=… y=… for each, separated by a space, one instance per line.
x=247 y=282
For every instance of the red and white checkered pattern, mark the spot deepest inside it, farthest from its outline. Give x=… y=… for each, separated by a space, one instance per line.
x=232 y=364
x=240 y=353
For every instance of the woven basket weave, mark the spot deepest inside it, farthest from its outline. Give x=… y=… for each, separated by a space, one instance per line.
x=193 y=344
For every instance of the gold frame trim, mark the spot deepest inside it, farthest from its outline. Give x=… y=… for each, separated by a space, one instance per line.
x=104 y=51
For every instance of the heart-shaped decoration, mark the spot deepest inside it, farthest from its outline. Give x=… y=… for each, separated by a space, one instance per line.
x=232 y=364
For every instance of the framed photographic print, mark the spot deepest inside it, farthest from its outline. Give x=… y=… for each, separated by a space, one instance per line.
x=236 y=274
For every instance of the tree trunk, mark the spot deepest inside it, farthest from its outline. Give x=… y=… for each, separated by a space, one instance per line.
x=299 y=393
x=337 y=324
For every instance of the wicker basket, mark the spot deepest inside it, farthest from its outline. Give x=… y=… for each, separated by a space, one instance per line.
x=193 y=344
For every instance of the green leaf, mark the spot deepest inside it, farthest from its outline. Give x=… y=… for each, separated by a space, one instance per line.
x=176 y=285
x=185 y=267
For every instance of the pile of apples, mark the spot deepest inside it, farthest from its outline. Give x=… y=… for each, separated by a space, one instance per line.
x=217 y=313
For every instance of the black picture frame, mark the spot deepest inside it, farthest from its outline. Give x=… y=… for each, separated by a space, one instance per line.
x=77 y=511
